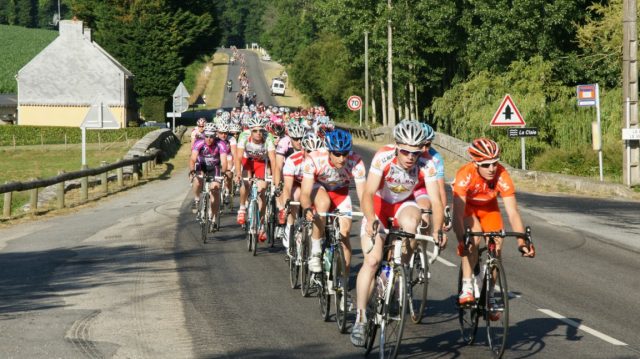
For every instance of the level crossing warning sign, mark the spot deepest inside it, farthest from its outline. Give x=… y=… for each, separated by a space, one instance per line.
x=507 y=114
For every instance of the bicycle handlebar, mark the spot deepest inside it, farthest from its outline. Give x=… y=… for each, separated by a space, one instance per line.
x=403 y=234
x=502 y=234
x=340 y=214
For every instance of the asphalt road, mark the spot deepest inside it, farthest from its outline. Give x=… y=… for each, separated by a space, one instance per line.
x=130 y=278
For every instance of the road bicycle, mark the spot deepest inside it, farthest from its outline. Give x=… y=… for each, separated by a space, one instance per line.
x=271 y=214
x=334 y=279
x=492 y=305
x=303 y=241
x=204 y=214
x=226 y=198
x=388 y=302
x=294 y=254
x=253 y=214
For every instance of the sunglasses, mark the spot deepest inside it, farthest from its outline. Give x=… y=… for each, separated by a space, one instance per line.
x=256 y=131
x=223 y=133
x=427 y=144
x=340 y=154
x=200 y=126
x=417 y=153
x=296 y=138
x=487 y=165
x=210 y=136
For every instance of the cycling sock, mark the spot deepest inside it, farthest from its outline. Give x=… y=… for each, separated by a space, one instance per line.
x=316 y=246
x=361 y=316
x=467 y=284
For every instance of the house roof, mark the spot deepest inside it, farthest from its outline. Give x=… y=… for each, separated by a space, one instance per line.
x=73 y=70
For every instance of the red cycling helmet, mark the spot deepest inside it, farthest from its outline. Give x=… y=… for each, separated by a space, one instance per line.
x=484 y=150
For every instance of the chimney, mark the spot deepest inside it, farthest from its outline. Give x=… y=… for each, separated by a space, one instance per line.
x=70 y=28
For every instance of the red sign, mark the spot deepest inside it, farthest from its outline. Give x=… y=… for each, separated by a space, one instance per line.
x=354 y=103
x=507 y=114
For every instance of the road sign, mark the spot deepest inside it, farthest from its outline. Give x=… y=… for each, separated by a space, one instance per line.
x=631 y=133
x=354 y=103
x=522 y=132
x=100 y=117
x=181 y=91
x=174 y=114
x=587 y=95
x=507 y=114
x=180 y=98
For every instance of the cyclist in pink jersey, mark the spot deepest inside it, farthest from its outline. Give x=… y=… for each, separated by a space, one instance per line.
x=395 y=172
x=325 y=185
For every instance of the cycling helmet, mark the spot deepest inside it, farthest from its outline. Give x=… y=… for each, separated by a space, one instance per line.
x=409 y=132
x=311 y=142
x=276 y=128
x=428 y=132
x=222 y=127
x=219 y=112
x=253 y=122
x=252 y=108
x=201 y=121
x=234 y=127
x=338 y=140
x=209 y=129
x=226 y=116
x=484 y=150
x=295 y=130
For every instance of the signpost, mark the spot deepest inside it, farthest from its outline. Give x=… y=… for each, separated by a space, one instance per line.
x=98 y=117
x=589 y=95
x=354 y=103
x=180 y=103
x=508 y=115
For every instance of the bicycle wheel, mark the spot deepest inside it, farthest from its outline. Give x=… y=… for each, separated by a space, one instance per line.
x=340 y=287
x=324 y=298
x=294 y=260
x=394 y=314
x=305 y=284
x=270 y=218
x=497 y=308
x=371 y=327
x=418 y=284
x=204 y=200
x=467 y=316
x=255 y=224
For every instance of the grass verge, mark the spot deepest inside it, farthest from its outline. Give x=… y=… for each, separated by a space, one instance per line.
x=293 y=97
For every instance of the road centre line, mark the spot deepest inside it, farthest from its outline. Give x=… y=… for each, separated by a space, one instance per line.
x=582 y=327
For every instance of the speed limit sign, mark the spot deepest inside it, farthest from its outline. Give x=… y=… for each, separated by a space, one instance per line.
x=354 y=103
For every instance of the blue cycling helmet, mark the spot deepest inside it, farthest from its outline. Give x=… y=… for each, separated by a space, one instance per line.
x=428 y=131
x=338 y=141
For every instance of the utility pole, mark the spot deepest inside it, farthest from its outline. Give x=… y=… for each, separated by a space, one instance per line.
x=631 y=155
x=366 y=77
x=390 y=110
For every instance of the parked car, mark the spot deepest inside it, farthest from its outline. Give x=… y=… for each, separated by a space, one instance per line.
x=277 y=87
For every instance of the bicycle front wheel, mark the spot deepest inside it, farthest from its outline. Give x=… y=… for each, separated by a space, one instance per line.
x=340 y=276
x=324 y=298
x=467 y=316
x=305 y=284
x=371 y=327
x=394 y=314
x=204 y=201
x=418 y=284
x=497 y=308
x=254 y=219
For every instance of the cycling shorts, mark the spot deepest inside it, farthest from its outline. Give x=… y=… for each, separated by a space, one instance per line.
x=340 y=200
x=255 y=167
x=421 y=192
x=489 y=215
x=385 y=210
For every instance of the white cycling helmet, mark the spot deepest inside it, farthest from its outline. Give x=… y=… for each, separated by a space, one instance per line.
x=209 y=129
x=234 y=127
x=226 y=116
x=222 y=127
x=254 y=122
x=409 y=132
x=311 y=142
x=295 y=130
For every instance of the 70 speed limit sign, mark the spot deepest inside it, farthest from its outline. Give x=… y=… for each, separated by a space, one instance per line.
x=354 y=103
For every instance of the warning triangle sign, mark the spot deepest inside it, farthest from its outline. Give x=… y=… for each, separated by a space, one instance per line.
x=507 y=114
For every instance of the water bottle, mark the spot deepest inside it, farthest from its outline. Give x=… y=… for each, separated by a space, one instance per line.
x=382 y=278
x=328 y=258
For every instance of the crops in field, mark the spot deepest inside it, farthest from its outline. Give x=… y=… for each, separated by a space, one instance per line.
x=18 y=45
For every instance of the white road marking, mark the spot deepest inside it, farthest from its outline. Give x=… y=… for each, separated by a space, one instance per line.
x=443 y=261
x=582 y=327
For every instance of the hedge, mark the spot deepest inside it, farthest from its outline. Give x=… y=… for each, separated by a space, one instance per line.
x=36 y=135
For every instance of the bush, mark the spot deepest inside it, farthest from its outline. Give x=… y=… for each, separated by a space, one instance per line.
x=154 y=108
x=35 y=135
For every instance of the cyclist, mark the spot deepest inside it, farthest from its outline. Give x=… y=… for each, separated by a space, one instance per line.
x=229 y=85
x=230 y=141
x=198 y=132
x=288 y=146
x=394 y=174
x=254 y=149
x=475 y=205
x=325 y=185
x=292 y=173
x=209 y=156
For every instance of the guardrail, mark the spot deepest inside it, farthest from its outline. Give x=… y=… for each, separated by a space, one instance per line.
x=142 y=158
x=367 y=133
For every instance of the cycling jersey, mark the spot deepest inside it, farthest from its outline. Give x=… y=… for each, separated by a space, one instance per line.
x=318 y=167
x=439 y=163
x=398 y=184
x=477 y=190
x=293 y=166
x=284 y=147
x=256 y=151
x=209 y=156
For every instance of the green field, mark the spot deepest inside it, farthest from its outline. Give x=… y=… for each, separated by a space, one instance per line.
x=18 y=45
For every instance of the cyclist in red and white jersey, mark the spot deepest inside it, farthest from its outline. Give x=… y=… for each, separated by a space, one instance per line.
x=395 y=172
x=325 y=185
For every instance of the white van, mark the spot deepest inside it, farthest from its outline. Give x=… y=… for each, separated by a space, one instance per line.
x=277 y=87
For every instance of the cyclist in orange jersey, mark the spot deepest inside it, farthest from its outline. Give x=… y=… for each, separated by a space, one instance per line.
x=475 y=191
